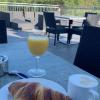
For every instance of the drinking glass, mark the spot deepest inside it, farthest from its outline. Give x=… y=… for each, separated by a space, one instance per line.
x=37 y=44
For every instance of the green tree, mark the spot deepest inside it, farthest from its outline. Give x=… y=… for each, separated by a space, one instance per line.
x=68 y=3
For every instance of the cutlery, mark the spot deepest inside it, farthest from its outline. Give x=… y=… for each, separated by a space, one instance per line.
x=16 y=73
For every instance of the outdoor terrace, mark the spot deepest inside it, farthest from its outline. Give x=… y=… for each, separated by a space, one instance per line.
x=58 y=60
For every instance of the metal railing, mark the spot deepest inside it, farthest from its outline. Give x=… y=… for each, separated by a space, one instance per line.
x=27 y=7
x=9 y=6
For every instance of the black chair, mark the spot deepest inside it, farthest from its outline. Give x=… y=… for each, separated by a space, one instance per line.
x=6 y=16
x=3 y=32
x=88 y=53
x=39 y=25
x=78 y=30
x=52 y=27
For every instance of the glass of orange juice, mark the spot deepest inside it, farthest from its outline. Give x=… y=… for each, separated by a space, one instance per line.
x=38 y=45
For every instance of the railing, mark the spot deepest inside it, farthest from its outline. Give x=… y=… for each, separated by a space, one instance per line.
x=17 y=7
x=8 y=6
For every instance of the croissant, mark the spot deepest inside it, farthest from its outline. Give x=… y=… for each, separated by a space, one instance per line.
x=34 y=91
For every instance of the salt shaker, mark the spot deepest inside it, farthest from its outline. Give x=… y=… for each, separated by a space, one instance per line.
x=3 y=64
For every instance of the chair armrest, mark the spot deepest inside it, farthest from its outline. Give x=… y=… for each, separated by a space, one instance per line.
x=62 y=26
x=58 y=21
x=27 y=20
x=14 y=26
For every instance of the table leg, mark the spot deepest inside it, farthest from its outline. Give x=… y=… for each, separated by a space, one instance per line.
x=69 y=33
x=69 y=37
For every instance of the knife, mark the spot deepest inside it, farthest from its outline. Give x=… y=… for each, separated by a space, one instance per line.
x=21 y=75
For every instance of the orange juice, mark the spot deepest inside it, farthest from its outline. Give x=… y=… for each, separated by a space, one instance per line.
x=38 y=44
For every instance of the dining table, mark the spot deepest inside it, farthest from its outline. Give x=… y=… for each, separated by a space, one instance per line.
x=71 y=17
x=20 y=59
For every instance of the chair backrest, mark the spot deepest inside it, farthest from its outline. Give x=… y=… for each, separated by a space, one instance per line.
x=39 y=25
x=88 y=53
x=50 y=19
x=3 y=32
x=5 y=16
x=93 y=20
x=89 y=13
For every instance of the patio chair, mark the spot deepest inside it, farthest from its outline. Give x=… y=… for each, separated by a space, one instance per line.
x=78 y=30
x=3 y=32
x=52 y=27
x=6 y=17
x=88 y=53
x=39 y=25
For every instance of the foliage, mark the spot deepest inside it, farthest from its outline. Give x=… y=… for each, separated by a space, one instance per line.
x=69 y=3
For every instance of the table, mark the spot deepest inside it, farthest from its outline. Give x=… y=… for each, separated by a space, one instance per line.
x=21 y=59
x=71 y=19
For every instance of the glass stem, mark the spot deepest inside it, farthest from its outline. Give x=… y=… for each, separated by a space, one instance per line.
x=37 y=62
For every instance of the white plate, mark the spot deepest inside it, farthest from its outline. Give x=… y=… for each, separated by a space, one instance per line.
x=4 y=93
